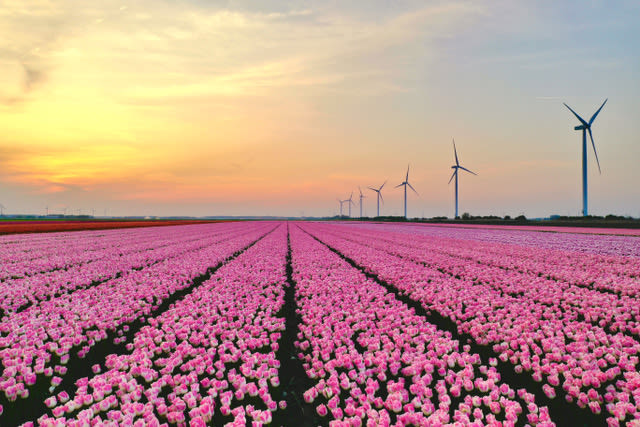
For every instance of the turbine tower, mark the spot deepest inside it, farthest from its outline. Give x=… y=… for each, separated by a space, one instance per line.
x=405 y=184
x=361 y=197
x=586 y=127
x=2 y=208
x=455 y=168
x=378 y=190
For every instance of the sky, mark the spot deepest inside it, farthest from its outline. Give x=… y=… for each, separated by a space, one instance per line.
x=194 y=107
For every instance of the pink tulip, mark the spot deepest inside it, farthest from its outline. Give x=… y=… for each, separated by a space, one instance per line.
x=322 y=410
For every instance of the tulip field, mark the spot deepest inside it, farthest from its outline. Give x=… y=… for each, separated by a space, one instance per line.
x=320 y=324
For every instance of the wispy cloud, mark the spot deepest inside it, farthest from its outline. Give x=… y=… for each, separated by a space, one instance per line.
x=157 y=51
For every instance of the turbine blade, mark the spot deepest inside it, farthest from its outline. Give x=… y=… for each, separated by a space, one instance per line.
x=597 y=112
x=452 y=175
x=380 y=194
x=399 y=185
x=594 y=149
x=371 y=188
x=411 y=187
x=385 y=182
x=407 y=178
x=576 y=114
x=455 y=152
x=360 y=190
x=465 y=169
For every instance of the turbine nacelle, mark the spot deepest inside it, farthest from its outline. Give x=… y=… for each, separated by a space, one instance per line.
x=586 y=127
x=406 y=182
x=457 y=166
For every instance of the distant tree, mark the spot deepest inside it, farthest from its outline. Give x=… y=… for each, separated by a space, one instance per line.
x=507 y=217
x=466 y=216
x=521 y=218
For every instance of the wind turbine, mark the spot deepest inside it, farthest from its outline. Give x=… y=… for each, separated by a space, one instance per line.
x=350 y=200
x=361 y=197
x=455 y=168
x=584 y=127
x=341 y=202
x=405 y=184
x=2 y=208
x=378 y=190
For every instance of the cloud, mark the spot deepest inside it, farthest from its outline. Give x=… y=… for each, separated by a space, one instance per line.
x=29 y=31
x=103 y=81
x=33 y=76
x=166 y=50
x=20 y=79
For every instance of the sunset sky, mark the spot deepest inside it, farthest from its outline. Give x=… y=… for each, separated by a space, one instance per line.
x=197 y=107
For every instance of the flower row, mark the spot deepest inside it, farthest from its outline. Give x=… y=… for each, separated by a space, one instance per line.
x=40 y=340
x=210 y=357
x=584 y=362
x=17 y=293
x=376 y=362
